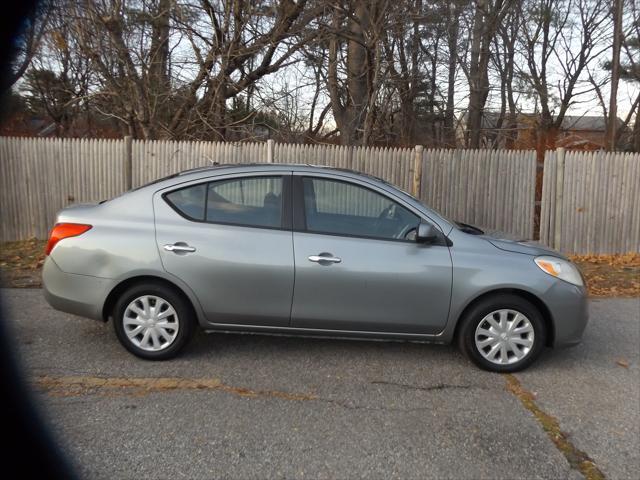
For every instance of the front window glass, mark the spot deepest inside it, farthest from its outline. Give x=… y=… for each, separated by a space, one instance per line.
x=344 y=208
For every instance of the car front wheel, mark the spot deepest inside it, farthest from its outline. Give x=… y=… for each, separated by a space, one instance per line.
x=152 y=321
x=504 y=333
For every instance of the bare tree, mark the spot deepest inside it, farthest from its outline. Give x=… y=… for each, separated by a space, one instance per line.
x=610 y=137
x=225 y=48
x=28 y=42
x=488 y=15
x=629 y=69
x=362 y=72
x=354 y=66
x=56 y=85
x=453 y=40
x=504 y=58
x=249 y=42
x=403 y=58
x=560 y=38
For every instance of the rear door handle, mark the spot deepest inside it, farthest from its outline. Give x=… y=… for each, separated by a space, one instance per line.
x=324 y=257
x=179 y=247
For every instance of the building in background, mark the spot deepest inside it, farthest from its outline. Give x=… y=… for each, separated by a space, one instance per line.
x=585 y=132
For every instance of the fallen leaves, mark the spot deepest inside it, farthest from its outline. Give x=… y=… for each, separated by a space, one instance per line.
x=20 y=263
x=611 y=275
x=622 y=362
x=631 y=259
x=87 y=385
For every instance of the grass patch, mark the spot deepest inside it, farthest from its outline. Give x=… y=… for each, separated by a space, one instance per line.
x=577 y=458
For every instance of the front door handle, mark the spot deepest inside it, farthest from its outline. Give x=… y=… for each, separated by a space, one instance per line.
x=324 y=257
x=179 y=247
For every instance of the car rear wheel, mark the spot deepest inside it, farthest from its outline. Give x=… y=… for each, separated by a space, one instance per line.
x=152 y=321
x=504 y=333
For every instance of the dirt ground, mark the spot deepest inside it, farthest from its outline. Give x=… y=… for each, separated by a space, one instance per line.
x=21 y=263
x=611 y=275
x=606 y=275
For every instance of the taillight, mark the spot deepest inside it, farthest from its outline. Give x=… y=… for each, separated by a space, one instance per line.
x=64 y=230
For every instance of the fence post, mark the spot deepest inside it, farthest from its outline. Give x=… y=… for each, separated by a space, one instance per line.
x=557 y=228
x=128 y=163
x=270 y=149
x=416 y=185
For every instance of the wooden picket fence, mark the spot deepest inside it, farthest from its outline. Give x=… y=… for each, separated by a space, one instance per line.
x=494 y=189
x=591 y=202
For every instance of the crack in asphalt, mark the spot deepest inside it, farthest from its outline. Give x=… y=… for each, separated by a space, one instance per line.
x=384 y=408
x=578 y=460
x=79 y=385
x=428 y=388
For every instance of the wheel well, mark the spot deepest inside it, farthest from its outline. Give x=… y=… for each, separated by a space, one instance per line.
x=539 y=304
x=112 y=298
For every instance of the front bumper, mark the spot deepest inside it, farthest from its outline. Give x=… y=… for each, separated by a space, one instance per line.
x=81 y=295
x=569 y=308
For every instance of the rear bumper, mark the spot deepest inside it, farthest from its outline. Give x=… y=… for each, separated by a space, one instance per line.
x=81 y=295
x=569 y=309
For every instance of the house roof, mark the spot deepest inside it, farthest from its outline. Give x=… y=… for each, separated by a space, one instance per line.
x=569 y=122
x=586 y=122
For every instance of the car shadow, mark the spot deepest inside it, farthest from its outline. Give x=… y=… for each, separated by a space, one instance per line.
x=220 y=344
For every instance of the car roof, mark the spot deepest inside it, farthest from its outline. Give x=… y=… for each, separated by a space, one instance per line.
x=304 y=166
x=194 y=174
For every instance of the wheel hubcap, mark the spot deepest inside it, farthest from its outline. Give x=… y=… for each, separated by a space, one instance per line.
x=150 y=323
x=504 y=337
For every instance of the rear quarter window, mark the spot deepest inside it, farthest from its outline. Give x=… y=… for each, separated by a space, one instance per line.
x=189 y=201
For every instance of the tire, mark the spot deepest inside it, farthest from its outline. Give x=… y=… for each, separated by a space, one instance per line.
x=527 y=328
x=173 y=329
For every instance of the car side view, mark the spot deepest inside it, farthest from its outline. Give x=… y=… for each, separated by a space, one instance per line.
x=305 y=250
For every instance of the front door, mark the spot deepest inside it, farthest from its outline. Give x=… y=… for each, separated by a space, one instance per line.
x=357 y=265
x=230 y=241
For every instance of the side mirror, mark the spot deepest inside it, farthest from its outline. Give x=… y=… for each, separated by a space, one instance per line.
x=426 y=233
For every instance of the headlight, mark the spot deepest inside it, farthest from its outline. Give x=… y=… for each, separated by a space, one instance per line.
x=561 y=269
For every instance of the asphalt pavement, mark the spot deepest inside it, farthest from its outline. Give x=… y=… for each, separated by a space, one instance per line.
x=247 y=406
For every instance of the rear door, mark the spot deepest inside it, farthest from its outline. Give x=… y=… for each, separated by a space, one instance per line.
x=357 y=267
x=230 y=240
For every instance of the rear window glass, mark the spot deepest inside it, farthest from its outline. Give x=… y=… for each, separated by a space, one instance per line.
x=246 y=201
x=254 y=202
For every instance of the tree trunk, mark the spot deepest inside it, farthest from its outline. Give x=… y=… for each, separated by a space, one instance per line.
x=407 y=122
x=512 y=117
x=159 y=51
x=610 y=139
x=452 y=39
x=476 y=103
x=487 y=18
x=218 y=117
x=546 y=138
x=357 y=71
x=349 y=102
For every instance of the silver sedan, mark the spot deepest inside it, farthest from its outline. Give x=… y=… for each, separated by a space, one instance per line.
x=302 y=250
